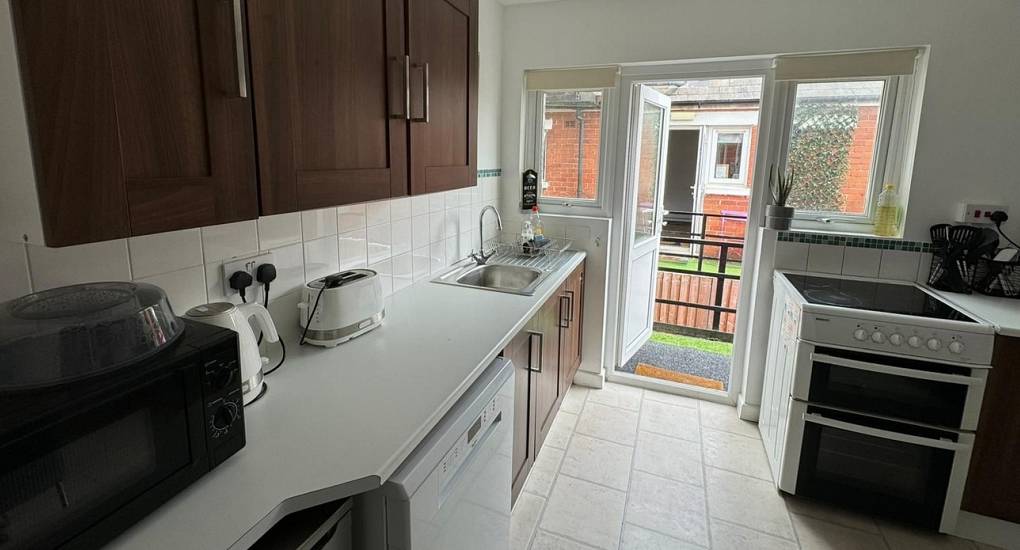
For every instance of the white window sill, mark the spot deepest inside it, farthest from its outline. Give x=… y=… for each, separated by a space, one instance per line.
x=863 y=231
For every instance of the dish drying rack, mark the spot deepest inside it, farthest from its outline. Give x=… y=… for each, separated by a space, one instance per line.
x=521 y=253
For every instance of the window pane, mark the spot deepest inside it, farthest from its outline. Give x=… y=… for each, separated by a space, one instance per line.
x=572 y=133
x=728 y=150
x=832 y=145
x=648 y=170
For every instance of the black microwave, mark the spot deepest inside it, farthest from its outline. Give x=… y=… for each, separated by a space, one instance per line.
x=81 y=462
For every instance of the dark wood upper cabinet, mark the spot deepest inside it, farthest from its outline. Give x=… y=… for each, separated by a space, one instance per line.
x=444 y=94
x=137 y=115
x=328 y=79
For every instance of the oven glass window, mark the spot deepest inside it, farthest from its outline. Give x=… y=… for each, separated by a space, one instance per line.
x=75 y=473
x=899 y=480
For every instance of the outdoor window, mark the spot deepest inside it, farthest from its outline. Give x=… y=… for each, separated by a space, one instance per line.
x=571 y=139
x=729 y=157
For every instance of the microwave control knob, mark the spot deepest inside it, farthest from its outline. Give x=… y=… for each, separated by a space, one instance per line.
x=896 y=339
x=224 y=416
x=914 y=341
x=956 y=346
x=877 y=337
x=934 y=344
x=860 y=334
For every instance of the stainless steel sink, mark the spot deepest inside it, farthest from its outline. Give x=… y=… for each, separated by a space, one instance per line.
x=514 y=279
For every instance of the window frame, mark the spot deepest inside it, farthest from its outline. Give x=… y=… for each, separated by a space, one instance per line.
x=887 y=159
x=534 y=151
x=728 y=185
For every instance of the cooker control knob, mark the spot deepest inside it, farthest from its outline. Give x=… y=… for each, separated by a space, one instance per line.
x=914 y=341
x=224 y=416
x=934 y=344
x=956 y=346
x=877 y=337
x=860 y=334
x=896 y=339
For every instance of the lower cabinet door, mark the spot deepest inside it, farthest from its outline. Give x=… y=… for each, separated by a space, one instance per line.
x=547 y=371
x=518 y=352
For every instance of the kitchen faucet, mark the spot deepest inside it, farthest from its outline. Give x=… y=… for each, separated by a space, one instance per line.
x=481 y=257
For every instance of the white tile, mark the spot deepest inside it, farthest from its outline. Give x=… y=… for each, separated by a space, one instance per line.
x=230 y=240
x=385 y=271
x=290 y=269
x=561 y=430
x=735 y=453
x=900 y=265
x=14 y=281
x=923 y=267
x=464 y=244
x=437 y=257
x=830 y=513
x=724 y=417
x=279 y=230
x=727 y=536
x=548 y=541
x=464 y=221
x=437 y=202
x=669 y=507
x=543 y=472
x=524 y=521
x=730 y=496
x=902 y=537
x=185 y=288
x=379 y=243
x=672 y=420
x=617 y=395
x=585 y=512
x=825 y=258
x=316 y=224
x=452 y=248
x=455 y=198
x=321 y=258
x=401 y=239
x=437 y=226
x=403 y=271
x=669 y=457
x=165 y=252
x=400 y=208
x=580 y=234
x=351 y=217
x=353 y=249
x=453 y=227
x=861 y=262
x=639 y=538
x=490 y=190
x=821 y=535
x=83 y=263
x=598 y=461
x=671 y=399
x=610 y=423
x=421 y=262
x=574 y=400
x=420 y=231
x=214 y=289
x=791 y=256
x=377 y=213
x=419 y=205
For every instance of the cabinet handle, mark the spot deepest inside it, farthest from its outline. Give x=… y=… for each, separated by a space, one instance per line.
x=570 y=309
x=425 y=94
x=564 y=319
x=242 y=69
x=406 y=100
x=531 y=350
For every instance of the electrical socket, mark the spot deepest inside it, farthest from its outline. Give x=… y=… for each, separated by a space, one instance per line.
x=249 y=265
x=972 y=212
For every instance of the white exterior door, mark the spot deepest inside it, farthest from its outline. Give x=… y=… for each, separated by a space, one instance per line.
x=646 y=171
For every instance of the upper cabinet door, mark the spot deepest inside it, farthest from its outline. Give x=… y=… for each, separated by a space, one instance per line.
x=444 y=94
x=329 y=79
x=138 y=113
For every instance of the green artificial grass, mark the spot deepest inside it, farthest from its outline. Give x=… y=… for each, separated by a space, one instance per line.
x=710 y=346
x=707 y=266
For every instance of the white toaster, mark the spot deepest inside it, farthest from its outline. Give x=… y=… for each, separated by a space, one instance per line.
x=341 y=306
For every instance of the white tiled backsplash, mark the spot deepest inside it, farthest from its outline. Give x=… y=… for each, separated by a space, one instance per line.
x=405 y=239
x=855 y=261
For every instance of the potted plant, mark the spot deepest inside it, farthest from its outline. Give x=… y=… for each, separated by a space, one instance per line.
x=778 y=215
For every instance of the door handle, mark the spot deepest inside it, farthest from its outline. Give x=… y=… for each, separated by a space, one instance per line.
x=531 y=350
x=570 y=307
x=406 y=100
x=425 y=94
x=564 y=319
x=242 y=69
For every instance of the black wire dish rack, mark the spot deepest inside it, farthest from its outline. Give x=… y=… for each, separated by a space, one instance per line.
x=962 y=261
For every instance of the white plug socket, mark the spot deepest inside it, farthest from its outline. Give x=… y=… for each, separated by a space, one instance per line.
x=249 y=265
x=977 y=213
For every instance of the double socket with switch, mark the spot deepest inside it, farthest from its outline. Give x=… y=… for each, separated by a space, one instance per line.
x=972 y=212
x=248 y=265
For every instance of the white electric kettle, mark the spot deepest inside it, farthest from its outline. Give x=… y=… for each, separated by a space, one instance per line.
x=235 y=318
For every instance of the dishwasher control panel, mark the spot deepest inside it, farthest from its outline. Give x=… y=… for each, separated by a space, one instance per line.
x=453 y=460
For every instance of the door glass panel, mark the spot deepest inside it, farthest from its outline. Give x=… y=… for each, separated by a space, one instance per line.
x=649 y=153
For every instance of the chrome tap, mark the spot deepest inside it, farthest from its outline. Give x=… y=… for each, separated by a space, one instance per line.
x=481 y=257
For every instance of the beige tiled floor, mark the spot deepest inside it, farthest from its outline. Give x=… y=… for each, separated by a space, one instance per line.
x=631 y=469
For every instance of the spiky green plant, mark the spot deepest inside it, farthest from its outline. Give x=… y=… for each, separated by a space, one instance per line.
x=781 y=185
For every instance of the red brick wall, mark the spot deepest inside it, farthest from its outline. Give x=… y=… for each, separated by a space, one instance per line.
x=855 y=188
x=562 y=151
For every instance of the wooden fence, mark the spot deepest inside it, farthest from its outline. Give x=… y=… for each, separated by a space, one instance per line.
x=695 y=289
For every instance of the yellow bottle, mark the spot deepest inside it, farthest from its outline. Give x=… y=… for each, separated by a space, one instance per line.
x=887 y=217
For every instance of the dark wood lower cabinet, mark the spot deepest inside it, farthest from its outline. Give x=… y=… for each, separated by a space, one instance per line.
x=546 y=355
x=993 y=485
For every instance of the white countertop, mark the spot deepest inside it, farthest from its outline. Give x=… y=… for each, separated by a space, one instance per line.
x=337 y=422
x=1004 y=313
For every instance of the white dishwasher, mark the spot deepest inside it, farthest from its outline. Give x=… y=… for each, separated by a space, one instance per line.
x=453 y=491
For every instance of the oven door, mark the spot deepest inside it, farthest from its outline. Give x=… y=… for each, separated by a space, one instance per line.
x=939 y=394
x=885 y=468
x=78 y=482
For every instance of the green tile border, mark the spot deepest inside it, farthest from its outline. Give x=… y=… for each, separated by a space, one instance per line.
x=490 y=173
x=854 y=242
